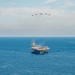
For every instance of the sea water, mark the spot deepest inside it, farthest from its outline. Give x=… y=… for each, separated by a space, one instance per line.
x=16 y=56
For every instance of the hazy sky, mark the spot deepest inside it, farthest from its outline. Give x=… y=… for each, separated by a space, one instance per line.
x=16 y=18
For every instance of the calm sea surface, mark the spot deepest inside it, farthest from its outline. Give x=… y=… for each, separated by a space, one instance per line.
x=16 y=57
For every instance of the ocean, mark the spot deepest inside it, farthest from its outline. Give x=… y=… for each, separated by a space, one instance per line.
x=16 y=56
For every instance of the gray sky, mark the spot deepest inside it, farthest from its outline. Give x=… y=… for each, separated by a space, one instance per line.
x=16 y=18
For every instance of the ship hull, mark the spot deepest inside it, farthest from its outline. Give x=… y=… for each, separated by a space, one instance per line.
x=39 y=52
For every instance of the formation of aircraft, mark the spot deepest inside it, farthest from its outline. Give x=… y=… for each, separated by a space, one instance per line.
x=41 y=14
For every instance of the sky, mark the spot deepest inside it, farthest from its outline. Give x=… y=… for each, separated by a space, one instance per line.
x=16 y=18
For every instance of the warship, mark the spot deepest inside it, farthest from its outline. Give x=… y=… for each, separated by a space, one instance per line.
x=39 y=49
